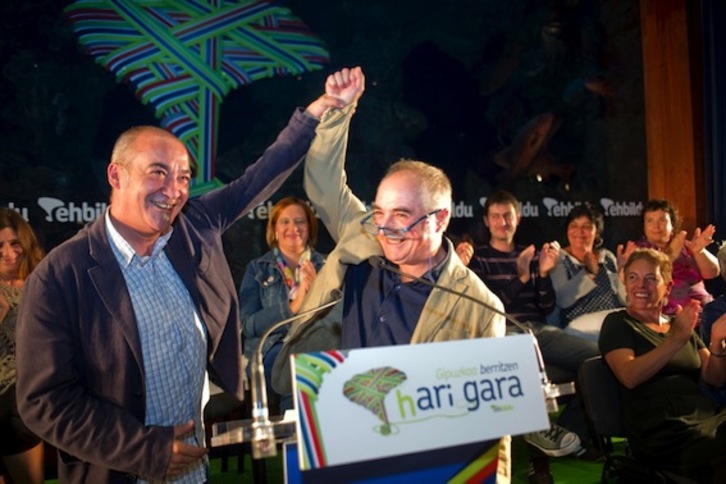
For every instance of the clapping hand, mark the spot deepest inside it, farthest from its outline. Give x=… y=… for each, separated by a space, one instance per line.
x=701 y=239
x=686 y=319
x=623 y=253
x=307 y=276
x=548 y=257
x=523 y=262
x=676 y=245
x=465 y=251
x=718 y=334
x=591 y=263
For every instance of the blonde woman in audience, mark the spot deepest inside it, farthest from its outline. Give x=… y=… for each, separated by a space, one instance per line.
x=659 y=360
x=276 y=283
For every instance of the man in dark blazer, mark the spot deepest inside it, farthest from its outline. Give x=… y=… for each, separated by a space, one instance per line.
x=92 y=369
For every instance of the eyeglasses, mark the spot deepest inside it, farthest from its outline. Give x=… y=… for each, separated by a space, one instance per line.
x=394 y=233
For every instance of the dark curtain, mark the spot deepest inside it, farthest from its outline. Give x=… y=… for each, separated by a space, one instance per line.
x=714 y=50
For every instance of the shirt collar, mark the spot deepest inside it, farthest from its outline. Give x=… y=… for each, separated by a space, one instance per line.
x=125 y=250
x=432 y=275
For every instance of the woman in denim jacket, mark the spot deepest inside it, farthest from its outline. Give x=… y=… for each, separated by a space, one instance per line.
x=275 y=284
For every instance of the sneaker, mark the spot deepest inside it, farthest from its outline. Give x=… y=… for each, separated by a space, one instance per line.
x=588 y=454
x=555 y=442
x=539 y=471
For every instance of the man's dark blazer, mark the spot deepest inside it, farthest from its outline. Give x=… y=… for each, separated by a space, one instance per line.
x=80 y=382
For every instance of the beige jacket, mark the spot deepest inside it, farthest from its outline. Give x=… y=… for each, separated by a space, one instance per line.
x=445 y=316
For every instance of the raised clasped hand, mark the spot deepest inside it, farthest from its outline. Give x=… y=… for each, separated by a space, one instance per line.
x=346 y=84
x=341 y=89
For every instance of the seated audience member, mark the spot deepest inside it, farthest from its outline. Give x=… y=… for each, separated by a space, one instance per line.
x=659 y=359
x=275 y=284
x=521 y=278
x=405 y=229
x=692 y=262
x=21 y=451
x=586 y=276
x=711 y=313
x=713 y=310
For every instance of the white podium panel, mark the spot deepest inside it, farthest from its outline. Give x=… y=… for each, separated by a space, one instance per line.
x=376 y=403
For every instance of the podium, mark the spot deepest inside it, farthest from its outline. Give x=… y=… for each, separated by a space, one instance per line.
x=387 y=413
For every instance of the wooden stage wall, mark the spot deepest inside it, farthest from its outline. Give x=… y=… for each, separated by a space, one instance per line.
x=672 y=65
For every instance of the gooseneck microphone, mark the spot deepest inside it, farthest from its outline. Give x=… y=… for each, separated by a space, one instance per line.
x=551 y=390
x=262 y=433
x=381 y=263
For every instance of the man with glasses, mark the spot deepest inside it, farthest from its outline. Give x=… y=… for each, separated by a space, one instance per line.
x=406 y=227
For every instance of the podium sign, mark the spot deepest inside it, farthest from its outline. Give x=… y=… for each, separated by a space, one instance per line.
x=373 y=403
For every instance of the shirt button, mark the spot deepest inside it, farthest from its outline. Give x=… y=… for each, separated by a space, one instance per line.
x=382 y=319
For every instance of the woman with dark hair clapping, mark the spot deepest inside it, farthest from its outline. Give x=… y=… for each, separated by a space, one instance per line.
x=692 y=262
x=586 y=276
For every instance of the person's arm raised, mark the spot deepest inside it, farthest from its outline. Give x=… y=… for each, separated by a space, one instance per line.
x=325 y=179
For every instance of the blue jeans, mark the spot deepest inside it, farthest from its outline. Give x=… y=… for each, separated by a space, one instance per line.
x=563 y=354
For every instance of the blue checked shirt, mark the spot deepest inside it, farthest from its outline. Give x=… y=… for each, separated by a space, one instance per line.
x=173 y=342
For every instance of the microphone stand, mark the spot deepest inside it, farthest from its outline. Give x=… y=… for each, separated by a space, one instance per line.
x=260 y=431
x=551 y=390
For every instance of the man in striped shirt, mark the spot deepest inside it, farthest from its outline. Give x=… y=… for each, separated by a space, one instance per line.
x=520 y=277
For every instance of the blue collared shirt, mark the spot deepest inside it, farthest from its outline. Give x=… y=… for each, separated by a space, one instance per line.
x=379 y=309
x=173 y=342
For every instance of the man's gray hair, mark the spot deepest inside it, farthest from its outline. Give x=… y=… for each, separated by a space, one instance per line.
x=436 y=189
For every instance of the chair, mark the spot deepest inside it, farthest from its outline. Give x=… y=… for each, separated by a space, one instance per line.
x=601 y=396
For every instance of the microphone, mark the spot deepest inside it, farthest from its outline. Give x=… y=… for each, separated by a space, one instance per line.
x=551 y=390
x=262 y=433
x=381 y=263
